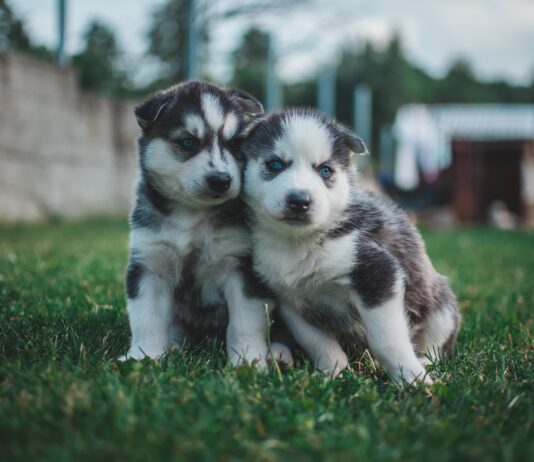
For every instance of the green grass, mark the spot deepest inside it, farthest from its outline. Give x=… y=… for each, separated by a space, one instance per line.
x=63 y=397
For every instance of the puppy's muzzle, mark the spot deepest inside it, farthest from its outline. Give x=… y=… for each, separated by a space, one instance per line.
x=298 y=201
x=298 y=205
x=219 y=182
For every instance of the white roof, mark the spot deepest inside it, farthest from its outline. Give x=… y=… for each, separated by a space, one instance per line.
x=483 y=121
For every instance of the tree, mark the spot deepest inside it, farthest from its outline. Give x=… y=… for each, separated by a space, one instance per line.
x=302 y=93
x=167 y=34
x=97 y=63
x=13 y=36
x=461 y=86
x=250 y=63
x=167 y=38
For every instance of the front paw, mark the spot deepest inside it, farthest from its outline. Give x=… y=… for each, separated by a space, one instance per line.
x=332 y=366
x=424 y=379
x=414 y=376
x=248 y=354
x=280 y=353
x=138 y=352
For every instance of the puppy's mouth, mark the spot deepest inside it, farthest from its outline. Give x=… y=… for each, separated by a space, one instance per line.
x=210 y=198
x=210 y=195
x=296 y=219
x=215 y=198
x=216 y=194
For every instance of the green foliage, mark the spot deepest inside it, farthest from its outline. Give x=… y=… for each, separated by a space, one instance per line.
x=64 y=397
x=250 y=63
x=167 y=40
x=98 y=63
x=13 y=35
x=301 y=94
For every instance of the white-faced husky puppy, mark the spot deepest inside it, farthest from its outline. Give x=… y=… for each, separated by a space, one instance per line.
x=189 y=273
x=348 y=267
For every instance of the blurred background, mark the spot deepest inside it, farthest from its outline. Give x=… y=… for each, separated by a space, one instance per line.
x=442 y=92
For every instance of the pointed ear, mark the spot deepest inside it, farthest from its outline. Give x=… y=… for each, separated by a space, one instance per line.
x=250 y=123
x=249 y=104
x=239 y=141
x=148 y=112
x=354 y=142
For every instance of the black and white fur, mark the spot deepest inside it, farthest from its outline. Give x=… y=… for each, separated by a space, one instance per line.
x=189 y=272
x=349 y=267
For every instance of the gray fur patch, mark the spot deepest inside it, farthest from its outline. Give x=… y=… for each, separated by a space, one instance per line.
x=374 y=275
x=334 y=322
x=150 y=208
x=199 y=318
x=231 y=213
x=254 y=285
x=134 y=273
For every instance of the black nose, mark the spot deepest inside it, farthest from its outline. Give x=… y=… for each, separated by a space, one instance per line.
x=219 y=182
x=299 y=201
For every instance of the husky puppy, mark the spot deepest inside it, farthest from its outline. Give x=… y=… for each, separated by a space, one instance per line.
x=189 y=274
x=348 y=267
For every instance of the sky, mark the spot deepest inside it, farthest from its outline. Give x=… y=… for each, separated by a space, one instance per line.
x=496 y=36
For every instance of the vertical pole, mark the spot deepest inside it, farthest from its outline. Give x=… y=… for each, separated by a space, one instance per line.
x=60 y=51
x=386 y=168
x=272 y=86
x=363 y=112
x=326 y=91
x=191 y=71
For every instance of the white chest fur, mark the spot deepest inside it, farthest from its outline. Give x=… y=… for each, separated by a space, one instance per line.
x=301 y=268
x=163 y=250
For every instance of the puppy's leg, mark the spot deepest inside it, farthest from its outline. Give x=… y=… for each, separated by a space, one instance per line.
x=324 y=350
x=439 y=334
x=440 y=329
x=388 y=337
x=282 y=342
x=150 y=312
x=246 y=335
x=177 y=337
x=281 y=353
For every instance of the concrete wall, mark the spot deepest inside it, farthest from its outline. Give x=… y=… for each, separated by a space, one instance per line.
x=62 y=152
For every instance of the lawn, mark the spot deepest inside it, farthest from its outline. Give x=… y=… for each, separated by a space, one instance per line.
x=64 y=397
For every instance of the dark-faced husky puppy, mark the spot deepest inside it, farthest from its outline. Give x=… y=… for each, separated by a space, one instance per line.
x=188 y=275
x=348 y=267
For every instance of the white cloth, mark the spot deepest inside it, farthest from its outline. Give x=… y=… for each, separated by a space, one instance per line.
x=417 y=139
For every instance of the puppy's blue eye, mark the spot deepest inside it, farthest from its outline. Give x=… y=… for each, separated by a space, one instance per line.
x=275 y=165
x=189 y=143
x=325 y=171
